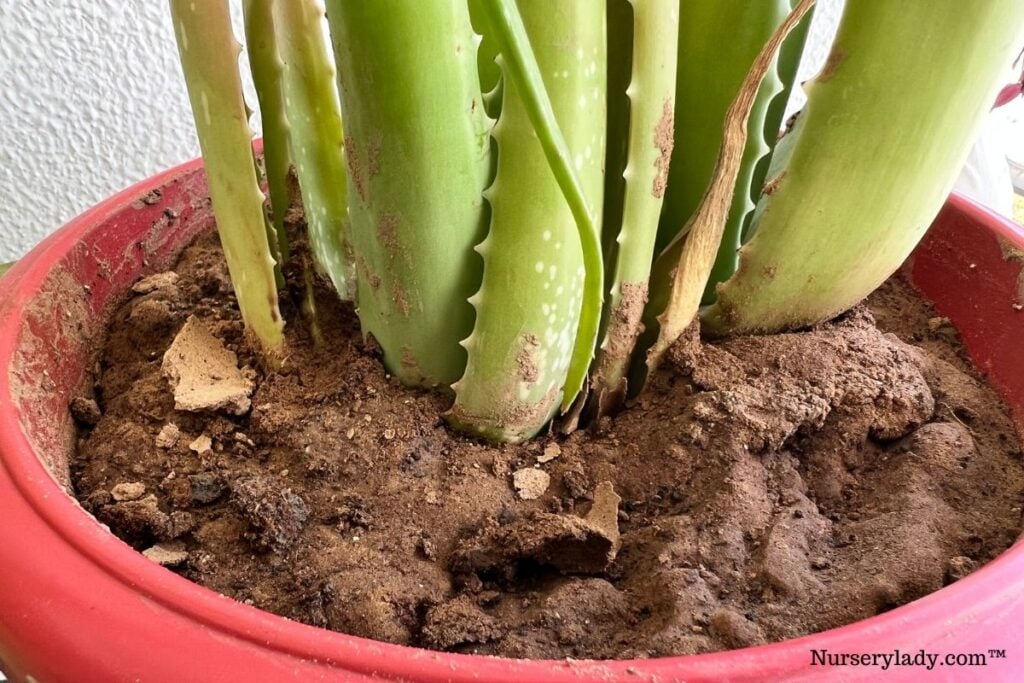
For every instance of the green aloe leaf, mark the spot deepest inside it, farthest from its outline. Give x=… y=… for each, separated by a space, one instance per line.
x=648 y=130
x=689 y=259
x=520 y=66
x=209 y=57
x=417 y=147
x=265 y=65
x=872 y=158
x=316 y=138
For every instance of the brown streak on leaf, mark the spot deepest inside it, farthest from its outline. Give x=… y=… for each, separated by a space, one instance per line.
x=703 y=233
x=664 y=140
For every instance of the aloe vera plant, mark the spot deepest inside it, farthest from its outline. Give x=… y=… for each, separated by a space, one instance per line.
x=531 y=198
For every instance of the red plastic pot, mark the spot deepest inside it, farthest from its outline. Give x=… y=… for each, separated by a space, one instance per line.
x=77 y=604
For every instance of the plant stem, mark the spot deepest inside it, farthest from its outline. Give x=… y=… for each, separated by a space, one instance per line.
x=209 y=57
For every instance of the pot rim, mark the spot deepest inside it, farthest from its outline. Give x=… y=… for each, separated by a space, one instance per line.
x=932 y=614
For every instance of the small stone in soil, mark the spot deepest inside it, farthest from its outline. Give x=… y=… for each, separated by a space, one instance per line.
x=204 y=374
x=276 y=515
x=155 y=282
x=551 y=451
x=426 y=546
x=166 y=556
x=206 y=487
x=128 y=491
x=569 y=543
x=459 y=621
x=530 y=483
x=85 y=411
x=959 y=567
x=168 y=436
x=202 y=444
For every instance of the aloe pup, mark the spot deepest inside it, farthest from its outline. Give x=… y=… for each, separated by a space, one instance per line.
x=315 y=135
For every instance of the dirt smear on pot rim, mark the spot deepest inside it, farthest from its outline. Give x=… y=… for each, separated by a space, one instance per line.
x=768 y=487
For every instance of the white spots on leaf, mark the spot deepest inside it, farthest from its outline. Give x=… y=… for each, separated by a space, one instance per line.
x=539 y=266
x=546 y=236
x=588 y=152
x=546 y=308
x=582 y=102
x=552 y=272
x=578 y=162
x=579 y=54
x=183 y=32
x=204 y=102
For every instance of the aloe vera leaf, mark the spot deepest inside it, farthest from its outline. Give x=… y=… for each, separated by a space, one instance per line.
x=539 y=306
x=265 y=66
x=620 y=72
x=584 y=177
x=417 y=147
x=876 y=151
x=718 y=42
x=651 y=95
x=769 y=108
x=698 y=245
x=209 y=58
x=316 y=137
x=486 y=59
x=787 y=67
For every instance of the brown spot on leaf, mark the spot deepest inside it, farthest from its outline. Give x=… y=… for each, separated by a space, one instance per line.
x=355 y=167
x=367 y=272
x=835 y=58
x=527 y=366
x=400 y=297
x=387 y=233
x=772 y=184
x=373 y=154
x=664 y=139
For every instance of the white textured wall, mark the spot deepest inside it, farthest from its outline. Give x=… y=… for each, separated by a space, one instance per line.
x=92 y=100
